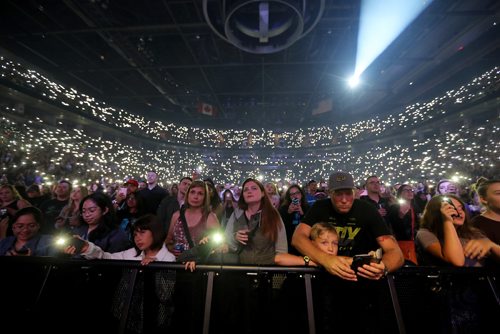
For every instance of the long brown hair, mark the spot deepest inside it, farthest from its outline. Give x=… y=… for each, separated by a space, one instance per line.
x=432 y=219
x=270 y=217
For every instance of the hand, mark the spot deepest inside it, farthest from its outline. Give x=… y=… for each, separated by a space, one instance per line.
x=242 y=236
x=478 y=248
x=373 y=271
x=340 y=266
x=295 y=208
x=448 y=211
x=203 y=241
x=72 y=249
x=147 y=260
x=13 y=252
x=190 y=265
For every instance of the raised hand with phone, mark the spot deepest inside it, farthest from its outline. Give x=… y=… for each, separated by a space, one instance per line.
x=447 y=235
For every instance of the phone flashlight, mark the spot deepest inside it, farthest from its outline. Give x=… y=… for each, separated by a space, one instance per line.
x=217 y=238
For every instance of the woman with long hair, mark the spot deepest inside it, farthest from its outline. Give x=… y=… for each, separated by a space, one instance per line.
x=256 y=232
x=69 y=218
x=189 y=225
x=447 y=236
x=292 y=210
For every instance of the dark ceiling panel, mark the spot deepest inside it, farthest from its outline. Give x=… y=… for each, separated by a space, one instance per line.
x=161 y=58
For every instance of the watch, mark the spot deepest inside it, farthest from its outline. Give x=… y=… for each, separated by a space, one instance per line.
x=306 y=260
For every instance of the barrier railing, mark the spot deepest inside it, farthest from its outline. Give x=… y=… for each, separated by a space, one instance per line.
x=70 y=295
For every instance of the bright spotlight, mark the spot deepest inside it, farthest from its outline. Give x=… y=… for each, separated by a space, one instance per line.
x=353 y=81
x=381 y=22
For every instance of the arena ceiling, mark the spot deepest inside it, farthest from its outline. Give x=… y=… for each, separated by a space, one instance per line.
x=164 y=59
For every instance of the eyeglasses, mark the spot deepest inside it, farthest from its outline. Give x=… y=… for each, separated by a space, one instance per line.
x=295 y=193
x=20 y=227
x=92 y=209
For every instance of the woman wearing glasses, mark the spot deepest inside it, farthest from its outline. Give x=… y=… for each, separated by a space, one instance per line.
x=10 y=202
x=26 y=239
x=292 y=210
x=99 y=224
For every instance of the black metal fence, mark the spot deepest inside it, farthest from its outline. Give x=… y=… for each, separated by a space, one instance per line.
x=72 y=296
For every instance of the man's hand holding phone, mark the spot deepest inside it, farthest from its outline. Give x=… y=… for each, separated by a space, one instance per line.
x=369 y=265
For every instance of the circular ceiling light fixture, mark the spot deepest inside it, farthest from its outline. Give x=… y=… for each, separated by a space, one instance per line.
x=262 y=27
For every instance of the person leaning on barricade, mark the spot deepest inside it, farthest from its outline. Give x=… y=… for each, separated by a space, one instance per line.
x=367 y=252
x=148 y=246
x=361 y=230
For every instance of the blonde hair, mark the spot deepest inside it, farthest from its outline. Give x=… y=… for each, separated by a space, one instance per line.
x=320 y=228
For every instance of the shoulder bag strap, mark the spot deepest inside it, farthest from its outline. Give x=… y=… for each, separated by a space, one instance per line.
x=186 y=229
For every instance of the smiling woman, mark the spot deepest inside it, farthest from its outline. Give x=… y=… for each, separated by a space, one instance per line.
x=26 y=239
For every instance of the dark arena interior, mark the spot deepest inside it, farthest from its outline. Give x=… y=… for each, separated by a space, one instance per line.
x=99 y=93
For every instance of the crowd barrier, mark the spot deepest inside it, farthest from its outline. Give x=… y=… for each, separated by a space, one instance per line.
x=61 y=295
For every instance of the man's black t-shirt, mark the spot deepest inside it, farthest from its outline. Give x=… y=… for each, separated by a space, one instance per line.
x=357 y=229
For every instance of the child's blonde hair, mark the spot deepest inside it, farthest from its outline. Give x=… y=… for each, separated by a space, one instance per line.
x=320 y=227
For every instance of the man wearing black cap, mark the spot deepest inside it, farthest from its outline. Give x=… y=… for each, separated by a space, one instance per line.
x=351 y=303
x=361 y=230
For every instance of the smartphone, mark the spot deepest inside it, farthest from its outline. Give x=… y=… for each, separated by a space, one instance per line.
x=78 y=243
x=295 y=201
x=65 y=241
x=360 y=260
x=449 y=201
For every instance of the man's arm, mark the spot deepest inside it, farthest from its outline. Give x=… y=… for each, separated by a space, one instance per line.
x=392 y=257
x=336 y=265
